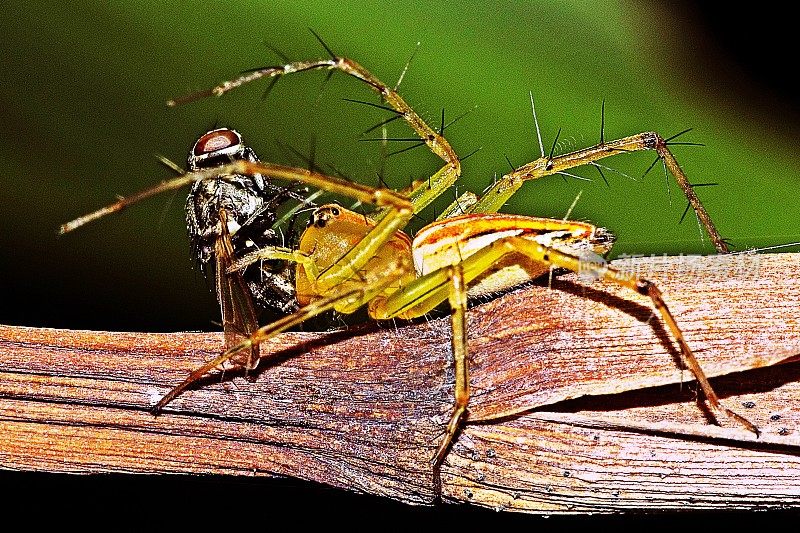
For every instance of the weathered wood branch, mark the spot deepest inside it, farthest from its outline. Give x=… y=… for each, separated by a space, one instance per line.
x=363 y=410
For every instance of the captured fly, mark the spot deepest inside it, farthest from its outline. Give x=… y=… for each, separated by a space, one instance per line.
x=228 y=216
x=251 y=205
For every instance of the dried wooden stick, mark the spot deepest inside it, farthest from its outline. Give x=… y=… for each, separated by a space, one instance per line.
x=363 y=409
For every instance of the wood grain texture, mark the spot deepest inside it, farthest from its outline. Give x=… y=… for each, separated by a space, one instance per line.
x=577 y=401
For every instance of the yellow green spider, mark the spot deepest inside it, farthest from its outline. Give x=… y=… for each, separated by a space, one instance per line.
x=345 y=260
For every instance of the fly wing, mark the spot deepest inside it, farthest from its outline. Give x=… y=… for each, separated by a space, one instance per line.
x=238 y=314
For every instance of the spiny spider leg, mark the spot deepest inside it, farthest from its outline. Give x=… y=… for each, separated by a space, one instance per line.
x=122 y=203
x=505 y=187
x=425 y=191
x=349 y=298
x=423 y=294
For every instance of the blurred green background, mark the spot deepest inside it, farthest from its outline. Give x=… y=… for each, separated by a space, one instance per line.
x=84 y=85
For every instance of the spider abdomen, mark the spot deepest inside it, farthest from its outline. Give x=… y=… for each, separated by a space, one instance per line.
x=450 y=241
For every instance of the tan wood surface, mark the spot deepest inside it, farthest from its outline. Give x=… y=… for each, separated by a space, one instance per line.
x=363 y=409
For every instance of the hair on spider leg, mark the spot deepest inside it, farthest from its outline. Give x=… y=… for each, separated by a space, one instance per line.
x=666 y=183
x=373 y=104
x=602 y=175
x=652 y=165
x=568 y=144
x=406 y=66
x=324 y=44
x=407 y=149
x=684 y=144
x=552 y=149
x=324 y=85
x=470 y=154
x=338 y=172
x=541 y=145
x=271 y=85
x=459 y=117
x=510 y=164
x=602 y=142
x=680 y=133
x=669 y=141
x=329 y=74
x=275 y=50
x=728 y=242
x=292 y=153
x=688 y=205
x=767 y=248
x=575 y=176
x=600 y=166
x=572 y=205
x=489 y=186
x=381 y=180
x=381 y=124
x=536 y=124
x=603 y=123
x=283 y=57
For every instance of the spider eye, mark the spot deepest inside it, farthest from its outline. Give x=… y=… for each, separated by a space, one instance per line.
x=215 y=141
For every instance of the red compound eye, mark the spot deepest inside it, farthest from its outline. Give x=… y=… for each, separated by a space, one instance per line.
x=216 y=140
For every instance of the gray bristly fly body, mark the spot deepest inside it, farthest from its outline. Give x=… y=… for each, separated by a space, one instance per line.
x=250 y=204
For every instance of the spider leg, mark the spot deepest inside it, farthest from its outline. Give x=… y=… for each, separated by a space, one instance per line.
x=419 y=297
x=460 y=206
x=347 y=299
x=505 y=187
x=422 y=192
x=457 y=295
x=268 y=253
x=559 y=258
x=449 y=283
x=122 y=203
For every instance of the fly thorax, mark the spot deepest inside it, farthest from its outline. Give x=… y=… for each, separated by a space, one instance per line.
x=244 y=210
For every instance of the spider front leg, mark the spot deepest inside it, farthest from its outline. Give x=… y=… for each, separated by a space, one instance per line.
x=422 y=192
x=348 y=299
x=122 y=203
x=501 y=191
